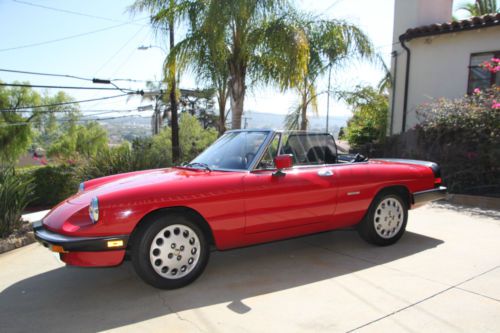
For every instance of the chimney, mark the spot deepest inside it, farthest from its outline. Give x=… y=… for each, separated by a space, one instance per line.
x=414 y=13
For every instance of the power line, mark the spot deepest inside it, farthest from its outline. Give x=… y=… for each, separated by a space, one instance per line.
x=66 y=75
x=128 y=57
x=63 y=103
x=75 y=12
x=331 y=6
x=68 y=120
x=119 y=50
x=108 y=112
x=64 y=38
x=44 y=74
x=82 y=111
x=61 y=87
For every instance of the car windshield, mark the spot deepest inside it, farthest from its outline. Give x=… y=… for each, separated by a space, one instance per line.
x=233 y=150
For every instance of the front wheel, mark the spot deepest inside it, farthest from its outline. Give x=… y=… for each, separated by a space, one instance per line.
x=385 y=221
x=170 y=252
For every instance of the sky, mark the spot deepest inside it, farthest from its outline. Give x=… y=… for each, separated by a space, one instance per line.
x=100 y=39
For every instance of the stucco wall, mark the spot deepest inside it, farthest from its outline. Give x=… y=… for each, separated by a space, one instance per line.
x=439 y=68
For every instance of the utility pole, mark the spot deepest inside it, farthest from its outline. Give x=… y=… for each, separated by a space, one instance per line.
x=328 y=97
x=173 y=98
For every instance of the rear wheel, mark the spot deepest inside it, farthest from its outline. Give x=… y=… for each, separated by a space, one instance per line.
x=385 y=221
x=170 y=252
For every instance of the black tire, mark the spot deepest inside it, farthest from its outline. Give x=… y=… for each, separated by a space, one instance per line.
x=143 y=251
x=373 y=226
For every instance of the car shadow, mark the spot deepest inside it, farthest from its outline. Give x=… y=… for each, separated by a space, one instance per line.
x=90 y=300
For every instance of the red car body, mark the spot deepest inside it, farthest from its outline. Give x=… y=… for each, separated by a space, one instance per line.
x=238 y=208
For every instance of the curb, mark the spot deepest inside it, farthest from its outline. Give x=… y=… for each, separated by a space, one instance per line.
x=474 y=201
x=24 y=236
x=14 y=242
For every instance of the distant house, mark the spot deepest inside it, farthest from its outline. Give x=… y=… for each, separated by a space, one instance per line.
x=434 y=57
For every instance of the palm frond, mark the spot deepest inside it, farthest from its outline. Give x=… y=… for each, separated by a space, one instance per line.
x=292 y=119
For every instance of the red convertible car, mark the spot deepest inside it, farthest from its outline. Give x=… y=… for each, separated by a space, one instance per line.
x=249 y=187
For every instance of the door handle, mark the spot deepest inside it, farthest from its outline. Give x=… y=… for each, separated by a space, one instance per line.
x=325 y=173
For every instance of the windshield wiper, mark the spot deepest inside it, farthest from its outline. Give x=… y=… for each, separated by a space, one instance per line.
x=198 y=164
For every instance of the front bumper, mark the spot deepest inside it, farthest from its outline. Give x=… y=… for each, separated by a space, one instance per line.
x=63 y=244
x=423 y=197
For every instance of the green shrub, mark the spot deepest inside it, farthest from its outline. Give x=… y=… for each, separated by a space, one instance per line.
x=463 y=136
x=193 y=139
x=149 y=153
x=52 y=184
x=15 y=193
x=124 y=158
x=368 y=123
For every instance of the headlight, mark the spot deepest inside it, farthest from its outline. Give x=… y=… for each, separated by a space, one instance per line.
x=94 y=210
x=81 y=188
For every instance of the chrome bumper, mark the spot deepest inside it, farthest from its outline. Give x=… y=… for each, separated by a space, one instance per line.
x=421 y=198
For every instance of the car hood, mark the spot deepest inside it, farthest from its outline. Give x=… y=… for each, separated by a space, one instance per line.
x=154 y=181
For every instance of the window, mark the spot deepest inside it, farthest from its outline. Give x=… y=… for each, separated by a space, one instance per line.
x=480 y=77
x=311 y=149
x=267 y=161
x=233 y=150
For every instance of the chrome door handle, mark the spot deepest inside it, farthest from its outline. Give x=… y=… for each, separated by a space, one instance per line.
x=325 y=173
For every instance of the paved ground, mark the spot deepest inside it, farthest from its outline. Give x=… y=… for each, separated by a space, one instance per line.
x=443 y=275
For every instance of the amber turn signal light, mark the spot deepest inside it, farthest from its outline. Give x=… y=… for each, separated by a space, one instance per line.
x=115 y=243
x=58 y=249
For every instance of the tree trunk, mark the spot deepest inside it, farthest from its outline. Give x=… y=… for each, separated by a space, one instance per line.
x=173 y=98
x=222 y=99
x=303 y=120
x=237 y=97
x=303 y=111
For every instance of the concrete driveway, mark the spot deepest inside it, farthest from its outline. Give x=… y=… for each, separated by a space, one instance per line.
x=443 y=275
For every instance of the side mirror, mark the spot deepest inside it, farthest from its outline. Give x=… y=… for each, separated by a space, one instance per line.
x=283 y=162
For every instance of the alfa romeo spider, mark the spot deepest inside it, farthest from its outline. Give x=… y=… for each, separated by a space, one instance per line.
x=249 y=187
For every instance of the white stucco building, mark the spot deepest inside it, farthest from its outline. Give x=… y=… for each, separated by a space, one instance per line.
x=434 y=57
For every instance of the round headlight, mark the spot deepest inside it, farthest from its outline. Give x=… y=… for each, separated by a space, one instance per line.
x=94 y=210
x=81 y=188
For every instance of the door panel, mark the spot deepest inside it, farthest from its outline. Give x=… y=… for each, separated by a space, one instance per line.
x=355 y=193
x=301 y=196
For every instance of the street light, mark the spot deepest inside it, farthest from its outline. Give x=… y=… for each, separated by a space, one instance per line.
x=145 y=107
x=147 y=47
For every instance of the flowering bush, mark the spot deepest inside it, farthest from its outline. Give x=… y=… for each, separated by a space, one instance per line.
x=492 y=66
x=463 y=135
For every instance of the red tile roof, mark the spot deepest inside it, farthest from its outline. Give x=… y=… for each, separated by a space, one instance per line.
x=476 y=22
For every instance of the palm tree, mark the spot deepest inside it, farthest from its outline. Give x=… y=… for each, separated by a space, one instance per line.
x=201 y=52
x=385 y=84
x=480 y=7
x=243 y=42
x=331 y=43
x=164 y=15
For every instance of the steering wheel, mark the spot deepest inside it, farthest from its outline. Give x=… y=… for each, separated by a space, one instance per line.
x=358 y=158
x=249 y=158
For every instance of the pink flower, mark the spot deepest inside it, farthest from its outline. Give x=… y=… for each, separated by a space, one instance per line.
x=496 y=105
x=497 y=60
x=477 y=91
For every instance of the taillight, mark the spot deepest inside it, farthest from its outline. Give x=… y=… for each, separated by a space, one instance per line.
x=437 y=181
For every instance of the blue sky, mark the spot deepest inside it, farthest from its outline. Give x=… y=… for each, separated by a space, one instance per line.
x=112 y=52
